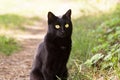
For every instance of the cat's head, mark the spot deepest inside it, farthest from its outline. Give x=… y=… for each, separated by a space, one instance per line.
x=60 y=26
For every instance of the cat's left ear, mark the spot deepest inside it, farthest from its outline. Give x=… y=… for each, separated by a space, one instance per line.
x=67 y=14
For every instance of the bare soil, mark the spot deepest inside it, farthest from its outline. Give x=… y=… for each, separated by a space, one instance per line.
x=18 y=65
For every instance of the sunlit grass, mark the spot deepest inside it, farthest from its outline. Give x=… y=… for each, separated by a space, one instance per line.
x=84 y=41
x=83 y=35
x=12 y=21
x=10 y=24
x=86 y=15
x=8 y=45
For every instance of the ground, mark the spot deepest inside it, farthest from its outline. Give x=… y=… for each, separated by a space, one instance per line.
x=18 y=65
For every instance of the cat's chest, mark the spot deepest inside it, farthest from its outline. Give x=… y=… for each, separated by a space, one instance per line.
x=63 y=47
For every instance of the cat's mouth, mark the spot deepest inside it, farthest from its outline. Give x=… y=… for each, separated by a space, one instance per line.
x=62 y=35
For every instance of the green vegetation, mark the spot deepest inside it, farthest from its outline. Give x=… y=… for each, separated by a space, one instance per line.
x=96 y=47
x=107 y=53
x=12 y=22
x=8 y=45
x=96 y=36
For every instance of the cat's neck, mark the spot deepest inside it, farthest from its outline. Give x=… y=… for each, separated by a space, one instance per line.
x=57 y=40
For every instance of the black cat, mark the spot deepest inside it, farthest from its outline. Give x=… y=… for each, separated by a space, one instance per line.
x=53 y=53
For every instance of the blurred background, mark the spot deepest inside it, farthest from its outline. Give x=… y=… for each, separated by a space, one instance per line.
x=96 y=37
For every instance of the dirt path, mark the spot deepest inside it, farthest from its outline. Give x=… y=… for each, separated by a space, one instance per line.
x=18 y=65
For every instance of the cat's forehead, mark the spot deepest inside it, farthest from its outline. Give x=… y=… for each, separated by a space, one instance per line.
x=60 y=19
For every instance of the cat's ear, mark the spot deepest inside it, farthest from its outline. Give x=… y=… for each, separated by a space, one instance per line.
x=67 y=14
x=51 y=17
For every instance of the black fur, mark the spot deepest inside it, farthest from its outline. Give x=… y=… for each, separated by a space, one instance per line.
x=53 y=53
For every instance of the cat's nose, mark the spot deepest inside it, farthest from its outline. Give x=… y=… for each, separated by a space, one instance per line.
x=63 y=31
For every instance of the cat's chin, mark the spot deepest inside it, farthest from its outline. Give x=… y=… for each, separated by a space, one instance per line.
x=62 y=36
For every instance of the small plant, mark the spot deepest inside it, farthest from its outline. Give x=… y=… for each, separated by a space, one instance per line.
x=107 y=53
x=8 y=45
x=96 y=47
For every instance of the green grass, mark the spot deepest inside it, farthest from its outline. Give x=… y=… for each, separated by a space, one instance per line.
x=83 y=35
x=85 y=38
x=8 y=45
x=13 y=21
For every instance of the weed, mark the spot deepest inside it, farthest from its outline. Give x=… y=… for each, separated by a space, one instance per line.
x=96 y=47
x=8 y=45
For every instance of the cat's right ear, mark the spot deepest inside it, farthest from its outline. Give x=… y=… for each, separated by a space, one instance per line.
x=51 y=17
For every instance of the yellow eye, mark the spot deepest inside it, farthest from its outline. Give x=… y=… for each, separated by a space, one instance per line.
x=57 y=26
x=66 y=25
